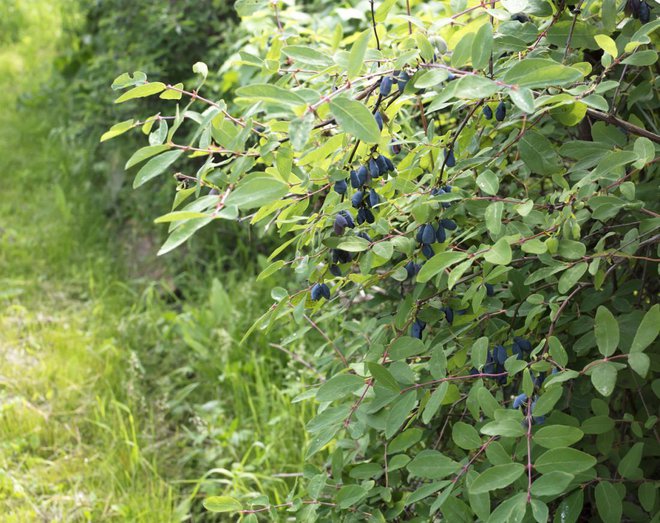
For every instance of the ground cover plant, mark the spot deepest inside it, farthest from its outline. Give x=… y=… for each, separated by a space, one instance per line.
x=465 y=201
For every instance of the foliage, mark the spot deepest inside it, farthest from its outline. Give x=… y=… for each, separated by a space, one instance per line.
x=468 y=193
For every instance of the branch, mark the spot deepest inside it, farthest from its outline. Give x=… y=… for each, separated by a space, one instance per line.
x=626 y=126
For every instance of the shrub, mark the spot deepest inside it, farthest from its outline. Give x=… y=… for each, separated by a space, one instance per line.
x=496 y=296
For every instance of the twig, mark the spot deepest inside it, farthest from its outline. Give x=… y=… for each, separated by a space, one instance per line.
x=611 y=119
x=373 y=23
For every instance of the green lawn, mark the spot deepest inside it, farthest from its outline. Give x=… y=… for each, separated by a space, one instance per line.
x=114 y=404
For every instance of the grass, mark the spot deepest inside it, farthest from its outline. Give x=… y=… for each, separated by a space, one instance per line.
x=117 y=404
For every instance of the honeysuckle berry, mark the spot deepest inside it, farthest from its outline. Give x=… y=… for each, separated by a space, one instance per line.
x=356 y=199
x=516 y=350
x=340 y=225
x=449 y=314
x=519 y=401
x=369 y=216
x=362 y=176
x=427 y=250
x=365 y=236
x=490 y=290
x=374 y=199
x=499 y=353
x=382 y=164
x=341 y=186
x=361 y=217
x=450 y=159
x=395 y=148
x=402 y=80
x=355 y=180
x=349 y=219
x=428 y=234
x=316 y=293
x=417 y=329
x=500 y=111
x=448 y=224
x=386 y=86
x=440 y=234
x=325 y=291
x=388 y=164
x=487 y=112
x=524 y=344
x=373 y=168
x=538 y=381
x=412 y=268
x=379 y=120
x=520 y=17
x=335 y=271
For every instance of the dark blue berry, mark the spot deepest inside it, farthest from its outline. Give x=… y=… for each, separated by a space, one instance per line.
x=340 y=225
x=525 y=345
x=388 y=164
x=490 y=290
x=449 y=314
x=362 y=176
x=335 y=271
x=341 y=186
x=499 y=352
x=402 y=80
x=316 y=292
x=515 y=349
x=519 y=400
x=369 y=216
x=412 y=268
x=450 y=160
x=325 y=291
x=349 y=219
x=427 y=250
x=379 y=120
x=373 y=168
x=487 y=112
x=374 y=199
x=356 y=199
x=448 y=224
x=440 y=234
x=382 y=164
x=361 y=216
x=365 y=236
x=428 y=234
x=395 y=148
x=500 y=111
x=355 y=180
x=386 y=86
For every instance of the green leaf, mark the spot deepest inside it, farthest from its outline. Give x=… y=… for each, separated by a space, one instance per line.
x=356 y=56
x=354 y=118
x=523 y=98
x=401 y=408
x=463 y=50
x=144 y=154
x=571 y=276
x=648 y=330
x=640 y=363
x=564 y=460
x=338 y=387
x=603 y=378
x=178 y=216
x=597 y=425
x=482 y=46
x=182 y=233
x=171 y=94
x=256 y=190
x=606 y=329
x=156 y=166
x=249 y=7
x=608 y=502
x=536 y=73
x=300 y=129
x=552 y=483
x=383 y=376
x=555 y=436
x=268 y=93
x=431 y=464
x=117 y=129
x=500 y=253
x=539 y=154
x=354 y=244
x=642 y=58
x=479 y=353
x=141 y=91
x=493 y=217
x=629 y=464
x=434 y=402
x=465 y=436
x=607 y=44
x=307 y=55
x=503 y=427
x=222 y=504
x=406 y=346
x=488 y=182
x=438 y=263
x=350 y=495
x=496 y=477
